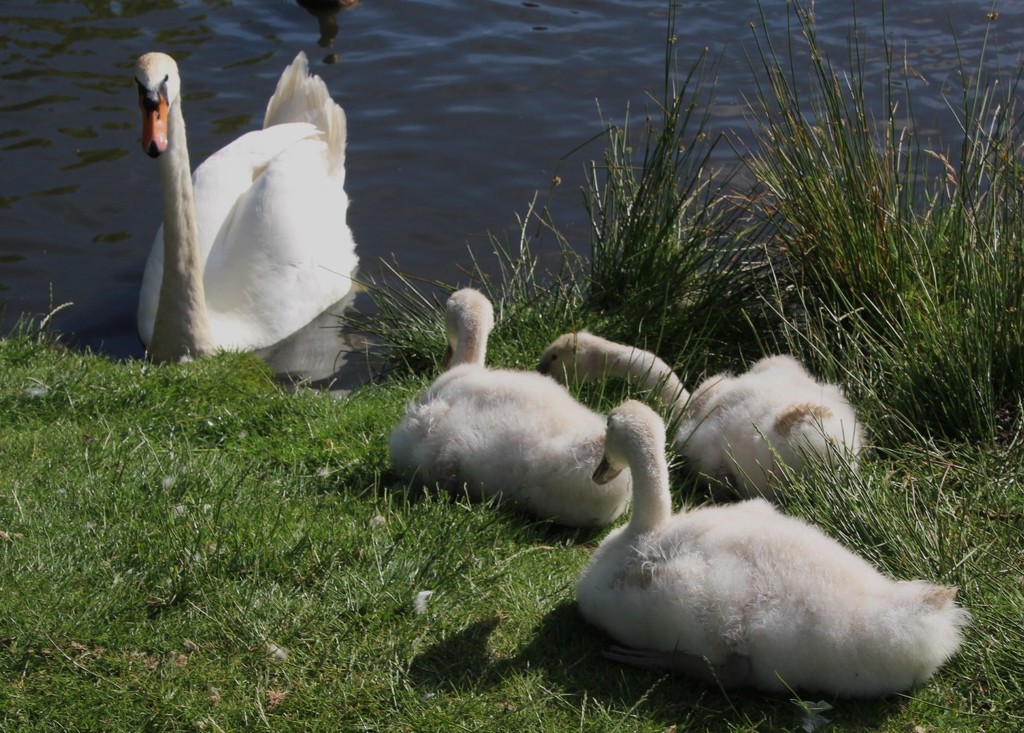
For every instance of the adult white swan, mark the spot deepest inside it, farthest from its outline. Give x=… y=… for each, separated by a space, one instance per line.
x=254 y=244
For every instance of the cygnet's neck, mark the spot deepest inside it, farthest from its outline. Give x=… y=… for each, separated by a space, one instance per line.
x=182 y=325
x=648 y=371
x=471 y=348
x=471 y=331
x=652 y=501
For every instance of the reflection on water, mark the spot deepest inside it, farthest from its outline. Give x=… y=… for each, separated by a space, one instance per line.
x=458 y=113
x=322 y=356
x=326 y=13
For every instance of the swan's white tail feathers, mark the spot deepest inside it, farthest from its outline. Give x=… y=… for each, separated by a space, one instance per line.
x=302 y=97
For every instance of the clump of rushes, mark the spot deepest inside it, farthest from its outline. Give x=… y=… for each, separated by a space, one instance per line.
x=666 y=237
x=903 y=262
x=408 y=320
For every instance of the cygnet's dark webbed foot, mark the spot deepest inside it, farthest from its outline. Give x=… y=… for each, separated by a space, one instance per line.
x=735 y=671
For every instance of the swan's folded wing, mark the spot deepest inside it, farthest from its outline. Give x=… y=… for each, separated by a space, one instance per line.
x=218 y=184
x=230 y=173
x=302 y=97
x=284 y=252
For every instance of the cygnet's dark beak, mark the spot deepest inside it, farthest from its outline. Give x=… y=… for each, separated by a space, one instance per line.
x=605 y=472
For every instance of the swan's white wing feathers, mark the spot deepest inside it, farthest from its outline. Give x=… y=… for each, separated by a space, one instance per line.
x=301 y=97
x=218 y=183
x=232 y=171
x=285 y=251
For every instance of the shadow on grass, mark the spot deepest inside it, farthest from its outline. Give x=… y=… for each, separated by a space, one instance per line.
x=504 y=509
x=566 y=651
x=461 y=661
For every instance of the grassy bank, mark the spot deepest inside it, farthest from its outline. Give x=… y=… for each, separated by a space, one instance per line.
x=189 y=547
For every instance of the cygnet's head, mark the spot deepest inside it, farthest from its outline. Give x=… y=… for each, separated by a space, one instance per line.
x=636 y=433
x=469 y=319
x=572 y=356
x=156 y=75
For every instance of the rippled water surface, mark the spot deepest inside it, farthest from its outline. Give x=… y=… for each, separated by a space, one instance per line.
x=458 y=113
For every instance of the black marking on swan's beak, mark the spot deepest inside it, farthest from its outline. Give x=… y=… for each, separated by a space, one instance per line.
x=149 y=100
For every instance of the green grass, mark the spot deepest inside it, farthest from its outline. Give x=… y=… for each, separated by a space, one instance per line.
x=190 y=547
x=165 y=524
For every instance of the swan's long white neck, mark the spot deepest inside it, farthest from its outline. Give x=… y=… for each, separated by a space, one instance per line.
x=652 y=501
x=182 y=324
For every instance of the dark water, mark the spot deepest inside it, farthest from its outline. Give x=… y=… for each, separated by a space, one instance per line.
x=458 y=113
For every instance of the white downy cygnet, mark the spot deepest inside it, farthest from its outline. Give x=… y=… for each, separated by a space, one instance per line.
x=743 y=595
x=743 y=430
x=740 y=430
x=496 y=431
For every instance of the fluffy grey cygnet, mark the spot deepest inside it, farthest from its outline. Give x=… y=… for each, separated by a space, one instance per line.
x=497 y=431
x=740 y=430
x=744 y=429
x=746 y=596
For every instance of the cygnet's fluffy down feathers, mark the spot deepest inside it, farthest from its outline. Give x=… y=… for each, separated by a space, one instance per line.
x=512 y=433
x=743 y=429
x=518 y=434
x=755 y=597
x=740 y=430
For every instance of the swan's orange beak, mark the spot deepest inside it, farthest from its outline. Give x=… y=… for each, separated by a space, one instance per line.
x=154 y=126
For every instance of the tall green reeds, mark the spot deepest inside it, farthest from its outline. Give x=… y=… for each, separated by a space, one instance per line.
x=903 y=261
x=666 y=254
x=898 y=264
